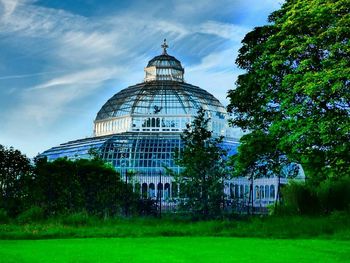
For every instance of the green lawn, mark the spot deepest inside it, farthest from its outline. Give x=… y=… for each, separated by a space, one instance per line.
x=174 y=249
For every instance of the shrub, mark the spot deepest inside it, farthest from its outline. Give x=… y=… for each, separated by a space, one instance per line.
x=76 y=219
x=4 y=218
x=334 y=195
x=146 y=207
x=299 y=198
x=308 y=199
x=33 y=214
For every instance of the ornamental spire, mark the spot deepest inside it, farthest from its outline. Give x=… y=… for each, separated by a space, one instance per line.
x=164 y=46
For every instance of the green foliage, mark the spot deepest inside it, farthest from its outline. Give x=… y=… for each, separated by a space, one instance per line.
x=33 y=214
x=15 y=168
x=299 y=198
x=308 y=199
x=65 y=186
x=334 y=195
x=76 y=219
x=201 y=179
x=4 y=218
x=296 y=86
x=81 y=225
x=258 y=156
x=147 y=207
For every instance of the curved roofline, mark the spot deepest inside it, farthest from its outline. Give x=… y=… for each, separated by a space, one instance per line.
x=164 y=57
x=157 y=84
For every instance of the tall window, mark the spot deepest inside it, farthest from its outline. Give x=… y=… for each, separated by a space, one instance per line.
x=257 y=194
x=272 y=191
x=267 y=192
x=144 y=190
x=262 y=192
x=241 y=192
x=152 y=192
x=166 y=191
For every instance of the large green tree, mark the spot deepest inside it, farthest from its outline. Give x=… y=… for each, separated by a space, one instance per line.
x=203 y=169
x=296 y=89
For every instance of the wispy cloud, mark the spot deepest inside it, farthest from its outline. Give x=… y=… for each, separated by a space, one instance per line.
x=229 y=31
x=79 y=79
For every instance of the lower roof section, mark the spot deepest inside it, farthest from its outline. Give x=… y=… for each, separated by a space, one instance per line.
x=142 y=152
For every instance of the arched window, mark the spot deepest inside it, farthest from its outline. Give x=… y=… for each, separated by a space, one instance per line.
x=236 y=191
x=144 y=190
x=157 y=122
x=272 y=191
x=151 y=189
x=160 y=190
x=267 y=192
x=232 y=192
x=241 y=191
x=257 y=195
x=262 y=194
x=246 y=191
x=166 y=191
x=153 y=123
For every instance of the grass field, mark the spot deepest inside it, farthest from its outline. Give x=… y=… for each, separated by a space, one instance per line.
x=174 y=249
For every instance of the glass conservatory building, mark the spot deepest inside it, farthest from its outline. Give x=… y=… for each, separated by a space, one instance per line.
x=139 y=128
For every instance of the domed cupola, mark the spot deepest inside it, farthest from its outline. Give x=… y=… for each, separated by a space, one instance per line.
x=162 y=103
x=164 y=67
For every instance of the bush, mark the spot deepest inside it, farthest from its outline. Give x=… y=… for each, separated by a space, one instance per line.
x=33 y=214
x=76 y=219
x=4 y=218
x=146 y=207
x=299 y=198
x=334 y=195
x=308 y=199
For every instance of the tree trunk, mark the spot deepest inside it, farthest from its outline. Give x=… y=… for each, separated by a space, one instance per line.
x=250 y=200
x=278 y=191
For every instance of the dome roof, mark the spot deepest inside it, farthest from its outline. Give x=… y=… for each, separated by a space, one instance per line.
x=164 y=67
x=162 y=103
x=161 y=98
x=165 y=61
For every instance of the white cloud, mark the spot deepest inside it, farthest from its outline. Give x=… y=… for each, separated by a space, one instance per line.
x=229 y=31
x=9 y=6
x=81 y=78
x=41 y=106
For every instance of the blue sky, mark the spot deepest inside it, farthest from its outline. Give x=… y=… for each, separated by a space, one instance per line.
x=61 y=60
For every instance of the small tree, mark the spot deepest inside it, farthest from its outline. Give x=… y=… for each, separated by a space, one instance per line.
x=259 y=156
x=15 y=168
x=203 y=171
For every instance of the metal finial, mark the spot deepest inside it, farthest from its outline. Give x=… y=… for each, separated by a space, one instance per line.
x=164 y=46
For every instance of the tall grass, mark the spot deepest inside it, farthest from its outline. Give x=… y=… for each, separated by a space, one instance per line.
x=81 y=225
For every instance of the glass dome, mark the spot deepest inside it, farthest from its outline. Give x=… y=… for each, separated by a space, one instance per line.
x=158 y=106
x=160 y=98
x=162 y=103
